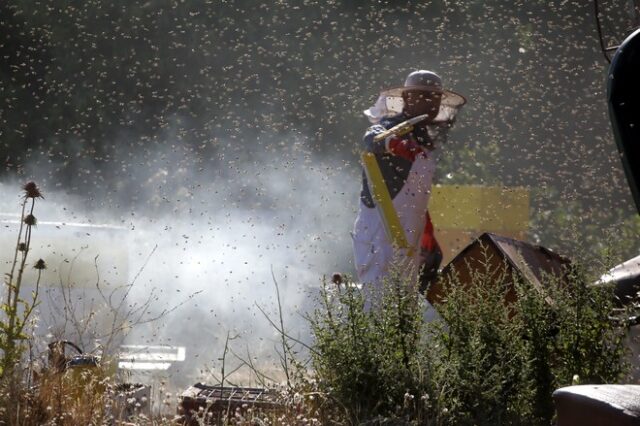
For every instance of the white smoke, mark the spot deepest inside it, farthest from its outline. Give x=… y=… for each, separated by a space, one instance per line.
x=216 y=232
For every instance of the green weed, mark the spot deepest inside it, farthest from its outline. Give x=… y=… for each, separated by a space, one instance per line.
x=484 y=362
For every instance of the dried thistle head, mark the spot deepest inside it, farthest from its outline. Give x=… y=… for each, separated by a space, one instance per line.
x=30 y=220
x=40 y=265
x=336 y=278
x=31 y=190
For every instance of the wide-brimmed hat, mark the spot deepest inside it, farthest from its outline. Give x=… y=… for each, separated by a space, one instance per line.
x=427 y=81
x=391 y=101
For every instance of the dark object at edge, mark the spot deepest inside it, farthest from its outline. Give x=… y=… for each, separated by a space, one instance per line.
x=591 y=405
x=623 y=93
x=625 y=279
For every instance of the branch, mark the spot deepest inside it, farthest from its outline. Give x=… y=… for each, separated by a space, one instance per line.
x=282 y=332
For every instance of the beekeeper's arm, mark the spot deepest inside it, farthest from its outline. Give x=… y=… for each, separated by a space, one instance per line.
x=402 y=146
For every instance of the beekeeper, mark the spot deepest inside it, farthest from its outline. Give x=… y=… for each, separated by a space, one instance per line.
x=405 y=162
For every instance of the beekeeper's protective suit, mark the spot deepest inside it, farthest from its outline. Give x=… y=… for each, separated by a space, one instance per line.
x=408 y=163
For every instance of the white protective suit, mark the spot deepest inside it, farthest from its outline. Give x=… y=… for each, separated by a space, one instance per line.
x=373 y=252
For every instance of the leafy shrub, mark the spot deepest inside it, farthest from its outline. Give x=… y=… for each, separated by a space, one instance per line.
x=482 y=363
x=574 y=339
x=369 y=360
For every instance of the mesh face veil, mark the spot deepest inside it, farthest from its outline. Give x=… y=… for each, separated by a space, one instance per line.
x=391 y=102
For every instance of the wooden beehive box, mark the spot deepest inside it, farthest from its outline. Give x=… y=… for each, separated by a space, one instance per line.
x=529 y=262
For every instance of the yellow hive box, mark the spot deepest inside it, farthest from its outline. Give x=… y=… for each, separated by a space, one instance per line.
x=460 y=213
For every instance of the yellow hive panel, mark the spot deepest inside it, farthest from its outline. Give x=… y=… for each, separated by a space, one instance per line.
x=485 y=208
x=461 y=213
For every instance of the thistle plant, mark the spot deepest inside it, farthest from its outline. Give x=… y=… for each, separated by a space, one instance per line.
x=16 y=310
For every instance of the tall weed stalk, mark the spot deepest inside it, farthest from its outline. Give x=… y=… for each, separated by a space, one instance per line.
x=16 y=309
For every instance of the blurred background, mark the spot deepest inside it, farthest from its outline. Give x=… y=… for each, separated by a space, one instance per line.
x=215 y=143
